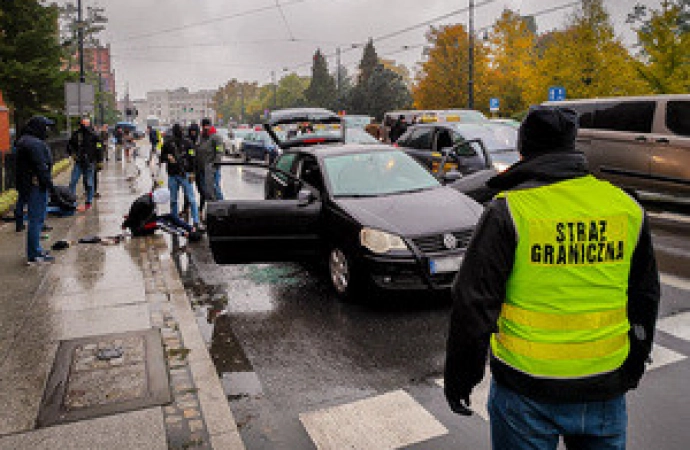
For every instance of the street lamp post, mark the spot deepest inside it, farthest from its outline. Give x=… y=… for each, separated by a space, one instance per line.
x=470 y=78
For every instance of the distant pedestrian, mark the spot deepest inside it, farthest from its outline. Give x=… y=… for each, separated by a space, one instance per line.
x=119 y=142
x=373 y=129
x=179 y=156
x=34 y=180
x=560 y=283
x=84 y=147
x=105 y=141
x=398 y=129
x=193 y=133
x=153 y=139
x=128 y=144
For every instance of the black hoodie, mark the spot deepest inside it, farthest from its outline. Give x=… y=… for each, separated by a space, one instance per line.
x=480 y=288
x=178 y=153
x=34 y=159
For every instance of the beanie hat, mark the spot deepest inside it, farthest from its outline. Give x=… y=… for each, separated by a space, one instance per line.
x=547 y=129
x=161 y=195
x=205 y=122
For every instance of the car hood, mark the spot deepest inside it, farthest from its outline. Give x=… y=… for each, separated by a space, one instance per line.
x=437 y=210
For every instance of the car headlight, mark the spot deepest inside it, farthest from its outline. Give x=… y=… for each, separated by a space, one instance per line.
x=501 y=167
x=380 y=242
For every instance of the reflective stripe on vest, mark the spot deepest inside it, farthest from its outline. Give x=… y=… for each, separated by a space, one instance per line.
x=565 y=312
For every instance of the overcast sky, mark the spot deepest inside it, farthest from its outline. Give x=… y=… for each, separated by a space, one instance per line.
x=200 y=44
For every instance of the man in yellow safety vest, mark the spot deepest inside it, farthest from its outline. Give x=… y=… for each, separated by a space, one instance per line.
x=560 y=282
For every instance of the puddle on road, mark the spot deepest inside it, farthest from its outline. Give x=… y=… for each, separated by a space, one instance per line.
x=209 y=303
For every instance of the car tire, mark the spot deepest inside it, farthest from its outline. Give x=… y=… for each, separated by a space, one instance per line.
x=345 y=278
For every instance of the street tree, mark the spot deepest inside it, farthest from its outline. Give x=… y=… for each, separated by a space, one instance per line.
x=291 y=91
x=512 y=46
x=231 y=100
x=384 y=91
x=31 y=75
x=368 y=63
x=586 y=58
x=442 y=82
x=321 y=91
x=664 y=46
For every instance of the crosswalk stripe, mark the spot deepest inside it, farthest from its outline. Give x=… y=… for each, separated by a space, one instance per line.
x=677 y=325
x=662 y=356
x=388 y=421
x=676 y=282
x=479 y=397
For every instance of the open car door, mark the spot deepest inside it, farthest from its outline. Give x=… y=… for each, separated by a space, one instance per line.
x=258 y=231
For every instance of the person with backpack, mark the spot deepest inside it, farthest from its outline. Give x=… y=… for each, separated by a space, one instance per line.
x=142 y=219
x=179 y=157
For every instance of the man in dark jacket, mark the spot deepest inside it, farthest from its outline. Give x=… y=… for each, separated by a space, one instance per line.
x=85 y=147
x=179 y=156
x=34 y=180
x=560 y=282
x=208 y=176
x=153 y=139
x=142 y=219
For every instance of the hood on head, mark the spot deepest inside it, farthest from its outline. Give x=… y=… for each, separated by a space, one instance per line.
x=177 y=131
x=547 y=129
x=37 y=126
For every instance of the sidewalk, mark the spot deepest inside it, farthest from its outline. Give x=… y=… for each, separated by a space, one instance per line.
x=50 y=314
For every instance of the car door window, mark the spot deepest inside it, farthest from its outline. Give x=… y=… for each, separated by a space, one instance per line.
x=310 y=173
x=443 y=139
x=421 y=138
x=631 y=117
x=678 y=117
x=284 y=163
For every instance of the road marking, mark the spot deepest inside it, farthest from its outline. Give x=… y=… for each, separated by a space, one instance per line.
x=479 y=397
x=389 y=421
x=676 y=282
x=677 y=325
x=670 y=216
x=662 y=356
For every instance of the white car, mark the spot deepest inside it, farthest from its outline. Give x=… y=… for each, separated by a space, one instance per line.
x=236 y=137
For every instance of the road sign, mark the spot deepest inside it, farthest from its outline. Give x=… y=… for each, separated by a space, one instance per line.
x=494 y=104
x=556 y=93
x=76 y=93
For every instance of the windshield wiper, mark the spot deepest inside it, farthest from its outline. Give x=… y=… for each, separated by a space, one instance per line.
x=356 y=195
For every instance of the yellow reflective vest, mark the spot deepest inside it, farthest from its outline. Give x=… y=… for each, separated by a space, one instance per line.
x=565 y=312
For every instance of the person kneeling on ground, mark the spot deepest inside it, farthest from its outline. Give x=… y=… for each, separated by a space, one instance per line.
x=142 y=219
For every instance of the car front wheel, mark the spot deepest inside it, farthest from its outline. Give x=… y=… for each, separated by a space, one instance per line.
x=345 y=279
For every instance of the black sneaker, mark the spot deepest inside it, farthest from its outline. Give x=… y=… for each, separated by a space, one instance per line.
x=46 y=228
x=44 y=259
x=20 y=228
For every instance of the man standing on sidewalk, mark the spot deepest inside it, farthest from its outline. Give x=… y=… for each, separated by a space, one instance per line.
x=84 y=147
x=34 y=181
x=178 y=155
x=153 y=139
x=560 y=281
x=210 y=152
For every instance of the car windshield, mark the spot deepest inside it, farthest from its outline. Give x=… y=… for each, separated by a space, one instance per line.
x=496 y=138
x=356 y=121
x=241 y=133
x=376 y=173
x=359 y=136
x=463 y=116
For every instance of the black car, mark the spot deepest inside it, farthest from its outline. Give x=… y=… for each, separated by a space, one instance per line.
x=375 y=215
x=428 y=142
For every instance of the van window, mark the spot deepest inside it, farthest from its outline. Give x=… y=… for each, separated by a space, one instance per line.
x=421 y=138
x=632 y=117
x=678 y=117
x=585 y=112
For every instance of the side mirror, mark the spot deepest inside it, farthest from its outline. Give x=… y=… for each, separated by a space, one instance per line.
x=305 y=197
x=452 y=176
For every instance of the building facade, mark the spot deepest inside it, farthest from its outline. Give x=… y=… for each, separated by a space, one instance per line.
x=178 y=106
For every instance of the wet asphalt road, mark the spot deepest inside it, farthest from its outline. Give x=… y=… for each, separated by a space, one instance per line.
x=284 y=345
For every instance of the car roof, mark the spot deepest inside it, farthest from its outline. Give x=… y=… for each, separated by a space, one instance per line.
x=321 y=151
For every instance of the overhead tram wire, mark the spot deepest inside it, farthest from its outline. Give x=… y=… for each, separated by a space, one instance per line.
x=287 y=25
x=213 y=20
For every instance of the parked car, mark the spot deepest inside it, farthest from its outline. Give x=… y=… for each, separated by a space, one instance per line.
x=373 y=215
x=259 y=145
x=642 y=143
x=413 y=117
x=508 y=122
x=356 y=121
x=236 y=136
x=428 y=142
x=225 y=134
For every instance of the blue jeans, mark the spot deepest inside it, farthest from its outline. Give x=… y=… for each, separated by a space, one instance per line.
x=520 y=423
x=19 y=210
x=174 y=184
x=216 y=184
x=36 y=201
x=87 y=171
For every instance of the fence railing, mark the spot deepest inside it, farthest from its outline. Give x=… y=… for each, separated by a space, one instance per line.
x=58 y=147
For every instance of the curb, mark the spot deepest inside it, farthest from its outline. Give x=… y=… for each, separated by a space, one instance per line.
x=220 y=423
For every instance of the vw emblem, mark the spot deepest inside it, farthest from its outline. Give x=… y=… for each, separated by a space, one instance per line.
x=450 y=241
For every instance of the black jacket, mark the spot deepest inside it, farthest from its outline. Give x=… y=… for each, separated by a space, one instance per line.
x=480 y=288
x=178 y=154
x=85 y=145
x=34 y=165
x=141 y=213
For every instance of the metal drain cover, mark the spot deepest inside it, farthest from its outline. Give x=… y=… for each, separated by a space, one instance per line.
x=101 y=375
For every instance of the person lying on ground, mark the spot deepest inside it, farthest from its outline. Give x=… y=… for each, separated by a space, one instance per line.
x=143 y=220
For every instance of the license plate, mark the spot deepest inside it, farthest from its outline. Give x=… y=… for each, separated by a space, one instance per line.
x=445 y=265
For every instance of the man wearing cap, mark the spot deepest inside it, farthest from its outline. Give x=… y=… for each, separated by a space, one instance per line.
x=85 y=147
x=210 y=151
x=560 y=283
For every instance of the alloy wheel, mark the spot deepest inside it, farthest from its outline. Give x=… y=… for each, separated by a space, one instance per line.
x=340 y=271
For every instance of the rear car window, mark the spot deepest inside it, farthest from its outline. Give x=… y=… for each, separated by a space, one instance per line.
x=420 y=138
x=631 y=117
x=678 y=117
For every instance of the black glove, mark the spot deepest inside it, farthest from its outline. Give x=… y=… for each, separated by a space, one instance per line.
x=461 y=406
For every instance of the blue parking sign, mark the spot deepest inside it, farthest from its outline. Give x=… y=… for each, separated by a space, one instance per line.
x=494 y=104
x=556 y=93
